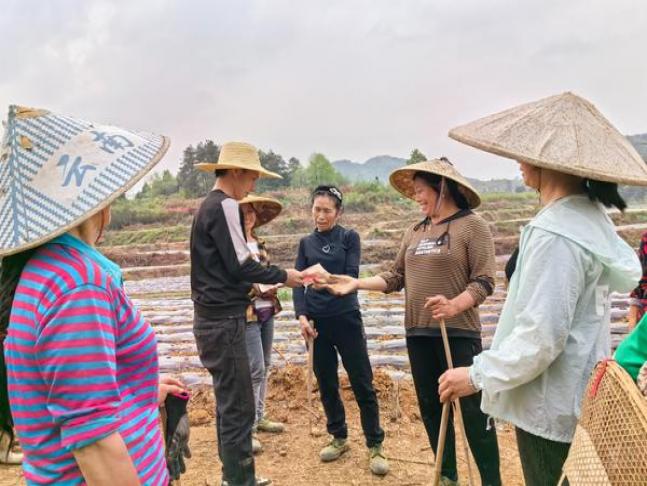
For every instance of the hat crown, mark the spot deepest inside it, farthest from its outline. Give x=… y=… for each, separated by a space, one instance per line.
x=240 y=153
x=565 y=133
x=402 y=179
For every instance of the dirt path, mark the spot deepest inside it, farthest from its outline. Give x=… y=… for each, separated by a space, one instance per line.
x=292 y=458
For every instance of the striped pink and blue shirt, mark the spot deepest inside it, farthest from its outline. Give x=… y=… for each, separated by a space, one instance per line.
x=82 y=364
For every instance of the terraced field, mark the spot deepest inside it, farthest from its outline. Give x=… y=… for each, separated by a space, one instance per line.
x=383 y=315
x=156 y=265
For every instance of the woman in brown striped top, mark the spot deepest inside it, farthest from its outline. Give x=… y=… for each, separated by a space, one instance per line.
x=446 y=264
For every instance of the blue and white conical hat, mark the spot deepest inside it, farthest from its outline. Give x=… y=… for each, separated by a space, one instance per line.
x=57 y=171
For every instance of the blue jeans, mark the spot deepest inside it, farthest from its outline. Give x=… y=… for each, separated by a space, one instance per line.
x=259 y=337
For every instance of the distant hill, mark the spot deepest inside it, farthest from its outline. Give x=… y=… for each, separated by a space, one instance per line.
x=380 y=167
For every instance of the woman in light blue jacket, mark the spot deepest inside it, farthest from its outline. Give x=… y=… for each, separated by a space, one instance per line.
x=554 y=325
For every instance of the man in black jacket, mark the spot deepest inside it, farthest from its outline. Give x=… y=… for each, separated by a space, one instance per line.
x=222 y=271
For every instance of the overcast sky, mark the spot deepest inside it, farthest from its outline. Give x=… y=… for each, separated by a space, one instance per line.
x=349 y=78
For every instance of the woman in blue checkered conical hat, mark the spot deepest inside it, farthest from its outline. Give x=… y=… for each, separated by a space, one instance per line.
x=81 y=364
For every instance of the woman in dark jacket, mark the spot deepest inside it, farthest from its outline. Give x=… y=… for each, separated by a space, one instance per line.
x=338 y=327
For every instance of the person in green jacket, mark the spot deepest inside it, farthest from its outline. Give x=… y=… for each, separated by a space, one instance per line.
x=554 y=325
x=632 y=351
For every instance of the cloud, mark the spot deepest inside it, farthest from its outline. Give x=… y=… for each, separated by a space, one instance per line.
x=349 y=78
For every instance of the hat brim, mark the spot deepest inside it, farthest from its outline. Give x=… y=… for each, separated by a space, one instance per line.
x=402 y=181
x=107 y=202
x=586 y=173
x=266 y=211
x=212 y=166
x=564 y=133
x=50 y=211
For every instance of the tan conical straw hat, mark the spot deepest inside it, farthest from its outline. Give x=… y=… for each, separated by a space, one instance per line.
x=238 y=155
x=565 y=133
x=266 y=208
x=402 y=179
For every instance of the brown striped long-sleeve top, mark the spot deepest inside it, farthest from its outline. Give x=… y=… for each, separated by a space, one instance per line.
x=446 y=258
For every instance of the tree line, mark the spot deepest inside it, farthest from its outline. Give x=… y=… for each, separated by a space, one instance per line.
x=192 y=183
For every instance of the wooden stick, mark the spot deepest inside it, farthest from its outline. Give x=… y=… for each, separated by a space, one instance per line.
x=308 y=409
x=457 y=404
x=310 y=343
x=412 y=461
x=281 y=354
x=440 y=448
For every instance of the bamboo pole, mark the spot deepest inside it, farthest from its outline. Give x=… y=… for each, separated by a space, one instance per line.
x=440 y=448
x=457 y=404
x=310 y=344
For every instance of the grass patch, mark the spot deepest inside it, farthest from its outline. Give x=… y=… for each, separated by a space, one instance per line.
x=165 y=234
x=284 y=294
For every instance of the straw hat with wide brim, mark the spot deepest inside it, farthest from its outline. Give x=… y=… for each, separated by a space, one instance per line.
x=402 y=179
x=564 y=133
x=57 y=171
x=266 y=208
x=238 y=155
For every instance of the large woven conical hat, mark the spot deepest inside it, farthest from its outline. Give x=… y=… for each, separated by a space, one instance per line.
x=57 y=171
x=565 y=133
x=402 y=179
x=238 y=155
x=266 y=208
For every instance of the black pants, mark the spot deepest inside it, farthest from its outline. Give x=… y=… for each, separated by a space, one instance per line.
x=223 y=351
x=345 y=333
x=428 y=362
x=541 y=459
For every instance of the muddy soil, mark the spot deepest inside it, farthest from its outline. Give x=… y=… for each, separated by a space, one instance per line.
x=292 y=458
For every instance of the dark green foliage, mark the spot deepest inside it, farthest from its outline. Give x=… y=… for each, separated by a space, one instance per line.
x=192 y=182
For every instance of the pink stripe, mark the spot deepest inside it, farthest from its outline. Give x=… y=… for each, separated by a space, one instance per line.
x=26 y=306
x=58 y=374
x=33 y=277
x=39 y=401
x=47 y=267
x=85 y=358
x=18 y=319
x=90 y=435
x=88 y=311
x=79 y=327
x=85 y=342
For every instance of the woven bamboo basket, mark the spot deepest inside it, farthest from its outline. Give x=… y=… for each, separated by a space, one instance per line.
x=610 y=443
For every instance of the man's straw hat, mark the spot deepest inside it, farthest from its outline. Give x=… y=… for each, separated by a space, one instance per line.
x=57 y=171
x=238 y=155
x=565 y=133
x=266 y=208
x=402 y=178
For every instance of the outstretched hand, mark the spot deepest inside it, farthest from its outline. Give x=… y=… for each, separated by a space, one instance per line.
x=340 y=285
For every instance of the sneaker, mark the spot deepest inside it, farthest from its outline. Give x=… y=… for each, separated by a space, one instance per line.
x=259 y=482
x=266 y=425
x=334 y=450
x=377 y=462
x=7 y=456
x=445 y=481
x=257 y=447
